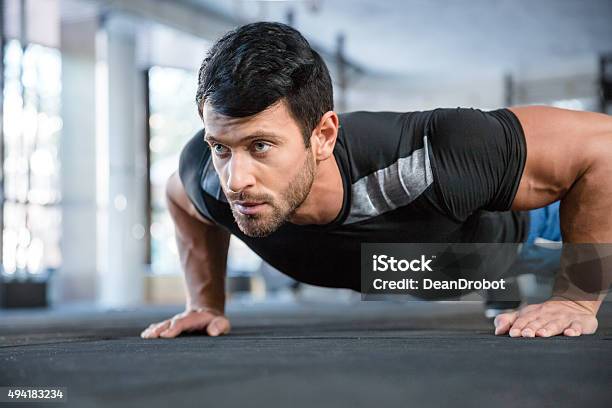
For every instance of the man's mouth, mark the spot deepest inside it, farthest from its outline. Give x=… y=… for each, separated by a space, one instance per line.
x=249 y=207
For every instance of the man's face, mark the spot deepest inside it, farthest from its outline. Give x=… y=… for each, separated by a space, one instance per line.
x=265 y=170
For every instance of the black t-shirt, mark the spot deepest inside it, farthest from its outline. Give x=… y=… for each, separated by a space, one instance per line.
x=440 y=176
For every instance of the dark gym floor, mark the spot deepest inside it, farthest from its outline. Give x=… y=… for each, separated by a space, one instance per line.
x=305 y=355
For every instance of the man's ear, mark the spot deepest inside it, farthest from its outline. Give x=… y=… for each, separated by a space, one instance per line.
x=324 y=136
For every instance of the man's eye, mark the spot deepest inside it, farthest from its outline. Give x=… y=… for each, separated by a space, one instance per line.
x=219 y=149
x=261 y=147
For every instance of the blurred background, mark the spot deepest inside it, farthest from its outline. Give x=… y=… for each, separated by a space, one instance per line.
x=98 y=100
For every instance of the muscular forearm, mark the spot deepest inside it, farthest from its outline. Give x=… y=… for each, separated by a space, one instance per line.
x=204 y=269
x=586 y=261
x=585 y=274
x=203 y=254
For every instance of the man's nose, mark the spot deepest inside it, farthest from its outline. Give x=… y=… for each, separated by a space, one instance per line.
x=239 y=175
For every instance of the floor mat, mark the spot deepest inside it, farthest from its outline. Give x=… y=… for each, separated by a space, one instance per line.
x=305 y=355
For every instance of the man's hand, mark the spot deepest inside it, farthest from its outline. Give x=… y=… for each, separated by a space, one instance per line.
x=551 y=318
x=211 y=321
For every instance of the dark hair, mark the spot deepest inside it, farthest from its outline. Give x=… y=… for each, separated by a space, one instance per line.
x=256 y=65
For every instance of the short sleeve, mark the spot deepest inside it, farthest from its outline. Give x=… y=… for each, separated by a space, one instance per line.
x=477 y=159
x=194 y=157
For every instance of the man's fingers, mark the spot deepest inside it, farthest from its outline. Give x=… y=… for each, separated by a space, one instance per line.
x=175 y=328
x=218 y=326
x=549 y=319
x=552 y=328
x=215 y=325
x=146 y=331
x=589 y=325
x=155 y=329
x=545 y=329
x=519 y=324
x=585 y=325
x=531 y=329
x=503 y=322
x=188 y=321
x=575 y=329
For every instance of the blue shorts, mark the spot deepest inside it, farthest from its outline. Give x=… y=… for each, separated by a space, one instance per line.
x=541 y=260
x=544 y=223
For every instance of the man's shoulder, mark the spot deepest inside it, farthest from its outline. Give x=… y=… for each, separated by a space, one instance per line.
x=377 y=140
x=198 y=174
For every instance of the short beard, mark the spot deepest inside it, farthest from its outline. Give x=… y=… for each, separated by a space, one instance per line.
x=262 y=225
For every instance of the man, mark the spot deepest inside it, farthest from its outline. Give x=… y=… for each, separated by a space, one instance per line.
x=304 y=187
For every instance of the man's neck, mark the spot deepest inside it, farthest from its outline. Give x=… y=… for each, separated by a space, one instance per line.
x=324 y=202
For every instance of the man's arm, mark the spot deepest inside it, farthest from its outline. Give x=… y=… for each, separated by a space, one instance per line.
x=202 y=247
x=569 y=159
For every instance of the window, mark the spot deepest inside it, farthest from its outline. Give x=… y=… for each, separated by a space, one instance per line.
x=173 y=121
x=32 y=128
